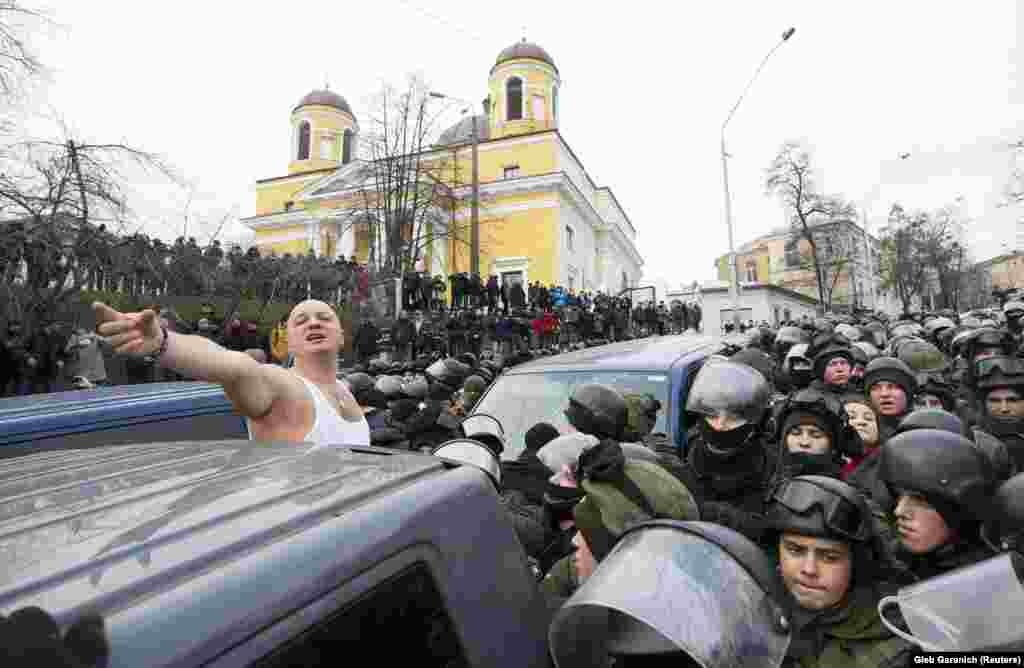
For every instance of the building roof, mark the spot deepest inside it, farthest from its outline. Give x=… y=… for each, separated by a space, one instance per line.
x=747 y=287
x=325 y=98
x=999 y=259
x=462 y=132
x=524 y=49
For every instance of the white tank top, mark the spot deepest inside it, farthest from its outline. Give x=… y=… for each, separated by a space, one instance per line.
x=329 y=428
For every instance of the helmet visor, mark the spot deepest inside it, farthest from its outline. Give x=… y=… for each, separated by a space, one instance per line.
x=841 y=516
x=663 y=589
x=728 y=389
x=1007 y=366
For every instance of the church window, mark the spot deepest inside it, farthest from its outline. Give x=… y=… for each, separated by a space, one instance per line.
x=625 y=281
x=751 y=272
x=570 y=238
x=327 y=148
x=554 y=104
x=538 y=108
x=514 y=99
x=512 y=172
x=303 y=153
x=347 y=147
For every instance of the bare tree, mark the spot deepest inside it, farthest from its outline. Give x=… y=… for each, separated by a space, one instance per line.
x=790 y=178
x=59 y=198
x=831 y=258
x=407 y=192
x=18 y=61
x=903 y=267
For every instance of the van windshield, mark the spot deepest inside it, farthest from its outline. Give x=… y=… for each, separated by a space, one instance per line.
x=522 y=400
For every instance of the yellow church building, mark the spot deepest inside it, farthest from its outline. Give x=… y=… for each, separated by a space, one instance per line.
x=542 y=218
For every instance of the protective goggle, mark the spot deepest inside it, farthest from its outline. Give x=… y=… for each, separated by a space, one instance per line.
x=841 y=516
x=1007 y=366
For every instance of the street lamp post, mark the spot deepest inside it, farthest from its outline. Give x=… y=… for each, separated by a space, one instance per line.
x=733 y=269
x=474 y=229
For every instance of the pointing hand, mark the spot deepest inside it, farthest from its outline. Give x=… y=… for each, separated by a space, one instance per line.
x=137 y=333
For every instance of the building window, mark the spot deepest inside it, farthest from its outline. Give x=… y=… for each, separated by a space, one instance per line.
x=512 y=172
x=514 y=99
x=625 y=281
x=288 y=206
x=570 y=238
x=787 y=315
x=554 y=104
x=347 y=147
x=751 y=273
x=326 y=148
x=303 y=152
x=538 y=108
x=793 y=253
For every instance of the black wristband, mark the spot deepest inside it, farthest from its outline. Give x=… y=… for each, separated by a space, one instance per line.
x=153 y=358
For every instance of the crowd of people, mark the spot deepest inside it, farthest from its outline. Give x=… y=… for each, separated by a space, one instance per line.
x=839 y=460
x=826 y=467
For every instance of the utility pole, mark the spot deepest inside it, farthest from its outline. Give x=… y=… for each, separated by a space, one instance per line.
x=474 y=230
x=734 y=271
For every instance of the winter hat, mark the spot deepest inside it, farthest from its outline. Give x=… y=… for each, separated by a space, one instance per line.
x=606 y=511
x=539 y=435
x=892 y=370
x=801 y=417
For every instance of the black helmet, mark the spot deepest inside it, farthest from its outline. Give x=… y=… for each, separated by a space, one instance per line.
x=756 y=359
x=598 y=410
x=891 y=370
x=998 y=371
x=390 y=387
x=813 y=505
x=358 y=382
x=947 y=469
x=1008 y=511
x=448 y=371
x=792 y=335
x=416 y=388
x=728 y=388
x=469 y=359
x=931 y=418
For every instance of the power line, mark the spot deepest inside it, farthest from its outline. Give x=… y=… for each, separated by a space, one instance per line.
x=443 y=21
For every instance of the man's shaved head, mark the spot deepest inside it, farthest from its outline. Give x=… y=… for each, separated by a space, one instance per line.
x=310 y=305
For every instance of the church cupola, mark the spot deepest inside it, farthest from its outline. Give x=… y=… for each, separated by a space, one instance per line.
x=523 y=87
x=324 y=132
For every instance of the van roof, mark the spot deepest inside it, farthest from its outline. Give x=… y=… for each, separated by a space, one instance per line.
x=26 y=418
x=111 y=522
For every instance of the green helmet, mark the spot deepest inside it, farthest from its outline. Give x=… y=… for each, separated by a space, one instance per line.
x=609 y=509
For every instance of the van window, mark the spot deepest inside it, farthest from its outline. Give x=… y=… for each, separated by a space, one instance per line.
x=521 y=401
x=400 y=618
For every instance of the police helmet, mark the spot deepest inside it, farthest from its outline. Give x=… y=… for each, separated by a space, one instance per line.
x=598 y=410
x=416 y=388
x=948 y=470
x=820 y=506
x=931 y=418
x=390 y=387
x=358 y=382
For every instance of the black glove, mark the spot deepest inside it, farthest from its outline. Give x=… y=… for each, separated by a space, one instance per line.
x=31 y=638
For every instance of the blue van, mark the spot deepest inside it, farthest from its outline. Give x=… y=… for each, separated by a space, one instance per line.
x=538 y=391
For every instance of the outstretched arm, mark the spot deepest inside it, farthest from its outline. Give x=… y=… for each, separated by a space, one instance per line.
x=252 y=387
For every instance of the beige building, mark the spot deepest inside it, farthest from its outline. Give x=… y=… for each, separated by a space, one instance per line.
x=782 y=259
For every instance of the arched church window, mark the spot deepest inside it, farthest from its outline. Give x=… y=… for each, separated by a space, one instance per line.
x=303 y=153
x=514 y=99
x=346 y=151
x=554 y=104
x=625 y=281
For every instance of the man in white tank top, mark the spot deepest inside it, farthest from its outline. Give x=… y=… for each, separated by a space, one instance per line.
x=303 y=404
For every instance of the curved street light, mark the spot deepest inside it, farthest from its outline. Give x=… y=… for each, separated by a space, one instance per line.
x=733 y=270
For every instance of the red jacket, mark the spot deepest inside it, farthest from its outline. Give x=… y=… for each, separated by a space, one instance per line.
x=549 y=322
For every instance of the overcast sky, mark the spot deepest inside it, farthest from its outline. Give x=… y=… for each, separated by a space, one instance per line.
x=210 y=85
